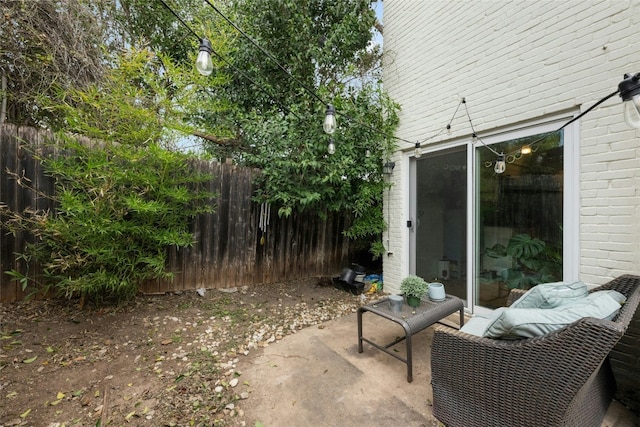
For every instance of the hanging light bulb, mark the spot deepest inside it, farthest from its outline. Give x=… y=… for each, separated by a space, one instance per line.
x=329 y=125
x=500 y=165
x=474 y=137
x=449 y=129
x=630 y=93
x=367 y=153
x=203 y=63
x=417 y=151
x=525 y=149
x=332 y=146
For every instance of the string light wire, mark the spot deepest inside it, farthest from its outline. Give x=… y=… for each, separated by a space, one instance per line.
x=353 y=120
x=514 y=155
x=288 y=73
x=233 y=67
x=263 y=50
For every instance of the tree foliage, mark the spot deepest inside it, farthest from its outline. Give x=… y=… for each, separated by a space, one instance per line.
x=47 y=45
x=327 y=54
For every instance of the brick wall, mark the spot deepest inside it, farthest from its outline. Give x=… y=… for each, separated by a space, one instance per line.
x=517 y=62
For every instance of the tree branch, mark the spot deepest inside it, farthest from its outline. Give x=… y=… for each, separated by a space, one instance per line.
x=215 y=139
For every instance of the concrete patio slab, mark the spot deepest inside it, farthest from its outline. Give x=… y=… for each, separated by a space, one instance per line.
x=316 y=377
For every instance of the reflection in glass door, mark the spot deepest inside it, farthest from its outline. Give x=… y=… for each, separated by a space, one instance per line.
x=519 y=217
x=439 y=213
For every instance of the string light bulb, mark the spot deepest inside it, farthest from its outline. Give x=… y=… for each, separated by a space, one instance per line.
x=474 y=137
x=330 y=124
x=630 y=93
x=500 y=165
x=449 y=129
x=525 y=149
x=204 y=63
x=367 y=153
x=417 y=151
x=332 y=147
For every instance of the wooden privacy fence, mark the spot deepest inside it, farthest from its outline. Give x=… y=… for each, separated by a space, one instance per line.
x=241 y=243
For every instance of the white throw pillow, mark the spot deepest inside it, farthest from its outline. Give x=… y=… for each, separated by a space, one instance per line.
x=516 y=323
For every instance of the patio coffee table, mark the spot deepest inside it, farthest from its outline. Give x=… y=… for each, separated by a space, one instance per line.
x=412 y=319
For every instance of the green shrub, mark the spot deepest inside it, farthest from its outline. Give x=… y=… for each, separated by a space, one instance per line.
x=119 y=209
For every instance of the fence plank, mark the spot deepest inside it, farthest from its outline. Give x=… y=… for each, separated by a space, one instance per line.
x=8 y=146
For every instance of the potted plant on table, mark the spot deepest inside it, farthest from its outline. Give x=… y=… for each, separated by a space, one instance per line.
x=414 y=288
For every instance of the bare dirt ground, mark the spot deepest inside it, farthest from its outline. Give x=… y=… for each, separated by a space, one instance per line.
x=168 y=360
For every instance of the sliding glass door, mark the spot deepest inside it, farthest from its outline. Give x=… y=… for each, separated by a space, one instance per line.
x=483 y=233
x=439 y=219
x=519 y=216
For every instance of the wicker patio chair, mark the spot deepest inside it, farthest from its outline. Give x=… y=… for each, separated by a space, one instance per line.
x=559 y=379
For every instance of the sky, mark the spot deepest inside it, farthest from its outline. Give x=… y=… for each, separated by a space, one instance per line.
x=378 y=8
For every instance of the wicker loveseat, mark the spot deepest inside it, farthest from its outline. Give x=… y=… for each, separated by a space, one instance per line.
x=559 y=379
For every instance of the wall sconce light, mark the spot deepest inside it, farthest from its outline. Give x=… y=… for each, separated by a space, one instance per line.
x=387 y=168
x=630 y=93
x=204 y=63
x=329 y=124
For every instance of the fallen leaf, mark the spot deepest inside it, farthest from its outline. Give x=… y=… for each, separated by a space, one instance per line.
x=55 y=402
x=166 y=342
x=60 y=395
x=12 y=395
x=25 y=414
x=31 y=360
x=50 y=349
x=129 y=415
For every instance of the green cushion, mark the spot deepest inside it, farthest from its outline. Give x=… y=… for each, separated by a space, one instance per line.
x=516 y=323
x=551 y=295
